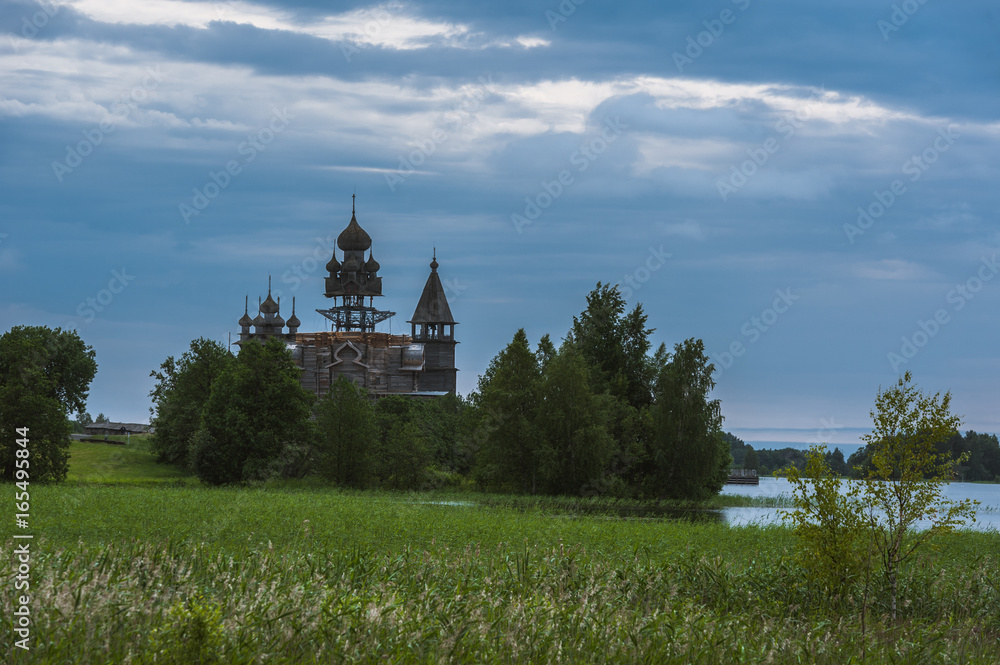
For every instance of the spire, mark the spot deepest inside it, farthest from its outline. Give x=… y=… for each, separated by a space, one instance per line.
x=269 y=306
x=259 y=319
x=433 y=305
x=293 y=321
x=246 y=321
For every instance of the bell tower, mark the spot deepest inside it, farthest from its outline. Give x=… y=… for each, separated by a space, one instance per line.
x=352 y=281
x=433 y=327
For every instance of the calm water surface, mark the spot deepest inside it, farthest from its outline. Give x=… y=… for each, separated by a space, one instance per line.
x=987 y=517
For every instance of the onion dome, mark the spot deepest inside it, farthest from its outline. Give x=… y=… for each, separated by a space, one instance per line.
x=293 y=321
x=354 y=237
x=372 y=265
x=258 y=320
x=269 y=306
x=277 y=321
x=333 y=266
x=245 y=321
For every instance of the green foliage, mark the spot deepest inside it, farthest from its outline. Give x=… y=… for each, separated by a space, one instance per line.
x=737 y=448
x=79 y=425
x=981 y=452
x=904 y=483
x=615 y=345
x=376 y=577
x=44 y=376
x=828 y=523
x=256 y=413
x=572 y=420
x=871 y=526
x=513 y=455
x=690 y=457
x=406 y=454
x=191 y=635
x=346 y=435
x=182 y=389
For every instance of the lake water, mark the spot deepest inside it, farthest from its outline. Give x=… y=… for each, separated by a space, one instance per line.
x=987 y=516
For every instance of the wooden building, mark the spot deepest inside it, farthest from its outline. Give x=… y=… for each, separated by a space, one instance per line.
x=421 y=364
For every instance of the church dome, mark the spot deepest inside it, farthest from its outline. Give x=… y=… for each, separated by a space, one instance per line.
x=354 y=237
x=372 y=265
x=245 y=321
x=333 y=266
x=277 y=321
x=293 y=321
x=269 y=306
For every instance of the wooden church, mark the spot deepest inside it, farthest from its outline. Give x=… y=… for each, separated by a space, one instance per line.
x=421 y=364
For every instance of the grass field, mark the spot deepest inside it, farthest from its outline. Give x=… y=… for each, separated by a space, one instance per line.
x=95 y=461
x=148 y=571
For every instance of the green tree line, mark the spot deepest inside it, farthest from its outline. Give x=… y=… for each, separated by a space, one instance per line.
x=600 y=414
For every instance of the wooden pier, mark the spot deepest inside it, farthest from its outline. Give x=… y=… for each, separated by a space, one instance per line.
x=743 y=477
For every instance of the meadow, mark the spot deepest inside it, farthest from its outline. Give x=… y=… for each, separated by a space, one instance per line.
x=157 y=569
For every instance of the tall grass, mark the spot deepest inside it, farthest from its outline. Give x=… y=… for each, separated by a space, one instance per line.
x=187 y=575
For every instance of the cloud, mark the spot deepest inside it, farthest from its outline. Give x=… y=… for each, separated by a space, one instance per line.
x=893 y=269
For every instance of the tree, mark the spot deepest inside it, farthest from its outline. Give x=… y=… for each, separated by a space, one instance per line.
x=179 y=396
x=836 y=462
x=751 y=460
x=904 y=485
x=828 y=522
x=101 y=418
x=615 y=345
x=872 y=523
x=572 y=420
x=514 y=454
x=346 y=435
x=405 y=457
x=689 y=455
x=45 y=375
x=256 y=420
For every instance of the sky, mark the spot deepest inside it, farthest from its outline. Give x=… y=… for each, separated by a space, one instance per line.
x=810 y=188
